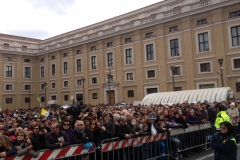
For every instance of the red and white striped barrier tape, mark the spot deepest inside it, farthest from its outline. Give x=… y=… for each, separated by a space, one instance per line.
x=55 y=154
x=131 y=142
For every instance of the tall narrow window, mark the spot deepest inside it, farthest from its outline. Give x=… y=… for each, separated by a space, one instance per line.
x=94 y=62
x=203 y=42
x=110 y=59
x=27 y=72
x=235 y=33
x=65 y=68
x=128 y=56
x=150 y=54
x=79 y=65
x=42 y=72
x=174 y=47
x=8 y=71
x=53 y=70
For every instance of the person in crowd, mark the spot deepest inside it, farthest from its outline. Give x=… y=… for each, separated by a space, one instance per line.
x=82 y=134
x=33 y=121
x=179 y=121
x=200 y=117
x=66 y=126
x=56 y=138
x=107 y=127
x=31 y=147
x=20 y=142
x=123 y=130
x=96 y=132
x=232 y=111
x=116 y=117
x=135 y=130
x=212 y=112
x=224 y=143
x=6 y=148
x=221 y=117
x=39 y=133
x=191 y=118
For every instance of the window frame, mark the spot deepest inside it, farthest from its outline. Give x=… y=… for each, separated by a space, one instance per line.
x=202 y=22
x=147 y=87
x=146 y=52
x=130 y=61
x=65 y=68
x=64 y=83
x=130 y=95
x=110 y=60
x=176 y=75
x=81 y=82
x=5 y=88
x=92 y=80
x=237 y=36
x=94 y=96
x=52 y=95
x=178 y=47
x=66 y=97
x=235 y=12
x=131 y=76
x=199 y=67
x=232 y=64
x=175 y=28
x=42 y=71
x=202 y=83
x=30 y=72
x=78 y=66
x=25 y=89
x=93 y=63
x=52 y=85
x=155 y=73
x=9 y=99
x=53 y=75
x=6 y=74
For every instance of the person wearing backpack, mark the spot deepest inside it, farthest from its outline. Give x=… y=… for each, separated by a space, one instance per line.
x=224 y=143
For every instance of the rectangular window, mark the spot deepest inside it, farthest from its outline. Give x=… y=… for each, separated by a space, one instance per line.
x=94 y=80
x=94 y=62
x=110 y=44
x=42 y=99
x=65 y=83
x=27 y=99
x=94 y=96
x=79 y=82
x=79 y=65
x=234 y=14
x=202 y=21
x=152 y=90
x=203 y=42
x=26 y=60
x=128 y=56
x=110 y=59
x=177 y=71
x=150 y=53
x=27 y=87
x=9 y=87
x=42 y=72
x=42 y=86
x=127 y=40
x=177 y=88
x=236 y=63
x=78 y=51
x=27 y=72
x=130 y=93
x=53 y=57
x=8 y=100
x=24 y=48
x=54 y=97
x=65 y=68
x=235 y=33
x=65 y=55
x=174 y=47
x=8 y=59
x=150 y=34
x=42 y=60
x=5 y=46
x=93 y=48
x=129 y=76
x=151 y=74
x=172 y=29
x=53 y=69
x=205 y=86
x=8 y=71
x=205 y=67
x=238 y=87
x=53 y=85
x=65 y=97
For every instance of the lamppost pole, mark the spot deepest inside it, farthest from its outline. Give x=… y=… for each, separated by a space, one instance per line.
x=45 y=87
x=109 y=76
x=220 y=61
x=29 y=97
x=173 y=69
x=83 y=80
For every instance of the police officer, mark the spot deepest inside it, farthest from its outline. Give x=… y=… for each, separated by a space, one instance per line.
x=221 y=117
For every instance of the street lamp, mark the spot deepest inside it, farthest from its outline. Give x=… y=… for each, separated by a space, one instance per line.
x=220 y=61
x=109 y=76
x=45 y=87
x=173 y=70
x=83 y=80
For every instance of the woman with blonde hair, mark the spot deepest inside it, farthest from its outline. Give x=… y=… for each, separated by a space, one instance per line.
x=6 y=148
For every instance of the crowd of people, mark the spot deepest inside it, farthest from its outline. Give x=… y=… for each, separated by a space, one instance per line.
x=27 y=131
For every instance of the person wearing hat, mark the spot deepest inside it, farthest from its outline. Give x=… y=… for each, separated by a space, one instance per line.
x=232 y=111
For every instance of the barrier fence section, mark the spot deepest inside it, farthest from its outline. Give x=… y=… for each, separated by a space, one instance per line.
x=73 y=151
x=143 y=147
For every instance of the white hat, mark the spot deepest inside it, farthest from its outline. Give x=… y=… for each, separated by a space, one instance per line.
x=232 y=104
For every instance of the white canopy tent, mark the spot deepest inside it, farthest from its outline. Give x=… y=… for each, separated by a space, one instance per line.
x=192 y=96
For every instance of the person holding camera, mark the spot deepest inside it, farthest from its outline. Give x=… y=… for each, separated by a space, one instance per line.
x=82 y=134
x=56 y=138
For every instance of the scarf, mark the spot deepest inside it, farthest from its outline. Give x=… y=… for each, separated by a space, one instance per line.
x=82 y=132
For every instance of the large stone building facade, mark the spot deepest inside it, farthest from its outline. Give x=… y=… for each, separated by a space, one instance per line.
x=124 y=58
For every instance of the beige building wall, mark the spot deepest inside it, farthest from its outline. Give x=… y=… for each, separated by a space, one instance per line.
x=64 y=49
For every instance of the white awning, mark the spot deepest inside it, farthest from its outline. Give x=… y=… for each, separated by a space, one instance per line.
x=191 y=96
x=52 y=102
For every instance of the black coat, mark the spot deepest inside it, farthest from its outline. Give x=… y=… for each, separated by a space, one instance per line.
x=122 y=130
x=79 y=138
x=224 y=147
x=109 y=132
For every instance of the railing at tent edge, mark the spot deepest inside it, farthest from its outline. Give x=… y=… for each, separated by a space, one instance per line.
x=60 y=153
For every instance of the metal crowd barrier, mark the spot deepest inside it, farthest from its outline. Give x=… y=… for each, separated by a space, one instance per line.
x=236 y=123
x=72 y=152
